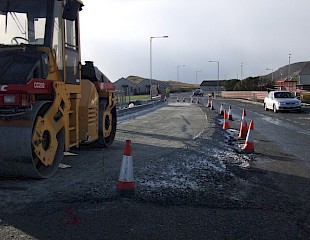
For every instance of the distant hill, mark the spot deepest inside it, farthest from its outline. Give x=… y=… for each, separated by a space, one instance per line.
x=174 y=85
x=282 y=72
x=179 y=86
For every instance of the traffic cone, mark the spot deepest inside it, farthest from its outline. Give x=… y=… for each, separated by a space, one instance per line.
x=226 y=124
x=208 y=104
x=178 y=99
x=243 y=126
x=221 y=109
x=249 y=141
x=212 y=107
x=230 y=114
x=126 y=184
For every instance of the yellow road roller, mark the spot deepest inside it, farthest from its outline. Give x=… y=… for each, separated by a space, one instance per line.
x=49 y=101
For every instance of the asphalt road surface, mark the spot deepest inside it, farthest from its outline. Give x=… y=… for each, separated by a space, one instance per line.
x=191 y=183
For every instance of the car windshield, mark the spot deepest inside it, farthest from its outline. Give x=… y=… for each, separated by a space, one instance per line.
x=283 y=95
x=22 y=22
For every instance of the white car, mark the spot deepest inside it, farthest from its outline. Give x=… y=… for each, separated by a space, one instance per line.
x=281 y=100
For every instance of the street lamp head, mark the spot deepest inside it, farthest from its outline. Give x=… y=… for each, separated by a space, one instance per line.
x=160 y=37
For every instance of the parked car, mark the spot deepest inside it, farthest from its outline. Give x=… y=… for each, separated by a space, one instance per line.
x=198 y=92
x=281 y=100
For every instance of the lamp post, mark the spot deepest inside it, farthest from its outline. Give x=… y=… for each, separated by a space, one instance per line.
x=241 y=71
x=178 y=71
x=151 y=63
x=289 y=67
x=218 y=75
x=270 y=69
x=196 y=74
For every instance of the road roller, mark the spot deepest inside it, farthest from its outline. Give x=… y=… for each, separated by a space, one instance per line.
x=49 y=101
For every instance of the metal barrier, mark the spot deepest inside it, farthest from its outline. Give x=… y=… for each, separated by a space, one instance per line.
x=129 y=110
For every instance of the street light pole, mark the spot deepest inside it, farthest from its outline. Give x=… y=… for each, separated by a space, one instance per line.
x=241 y=71
x=270 y=69
x=178 y=71
x=151 y=63
x=289 y=67
x=218 y=75
x=196 y=75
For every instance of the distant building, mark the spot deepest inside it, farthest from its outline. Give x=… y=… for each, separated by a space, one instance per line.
x=126 y=86
x=133 y=85
x=289 y=85
x=212 y=86
x=304 y=77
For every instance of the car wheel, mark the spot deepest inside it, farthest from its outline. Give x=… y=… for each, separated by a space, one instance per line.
x=265 y=107
x=275 y=109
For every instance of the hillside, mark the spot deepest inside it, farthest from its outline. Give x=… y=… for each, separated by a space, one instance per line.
x=179 y=86
x=174 y=85
x=282 y=72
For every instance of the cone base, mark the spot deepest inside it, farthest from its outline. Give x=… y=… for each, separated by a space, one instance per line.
x=248 y=147
x=226 y=125
x=126 y=189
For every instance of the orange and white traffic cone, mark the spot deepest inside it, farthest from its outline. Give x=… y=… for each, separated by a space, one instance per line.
x=208 y=104
x=249 y=141
x=126 y=184
x=211 y=105
x=221 y=109
x=230 y=114
x=243 y=126
x=226 y=124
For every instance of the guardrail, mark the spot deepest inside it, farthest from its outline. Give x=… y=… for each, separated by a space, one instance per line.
x=128 y=110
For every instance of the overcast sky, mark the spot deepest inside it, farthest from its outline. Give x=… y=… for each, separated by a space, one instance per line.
x=261 y=34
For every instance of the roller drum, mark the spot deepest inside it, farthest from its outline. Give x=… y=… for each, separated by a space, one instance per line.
x=16 y=150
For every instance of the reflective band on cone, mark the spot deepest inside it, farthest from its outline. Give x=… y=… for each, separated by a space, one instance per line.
x=230 y=114
x=221 y=109
x=243 y=126
x=211 y=107
x=226 y=124
x=126 y=184
x=249 y=141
